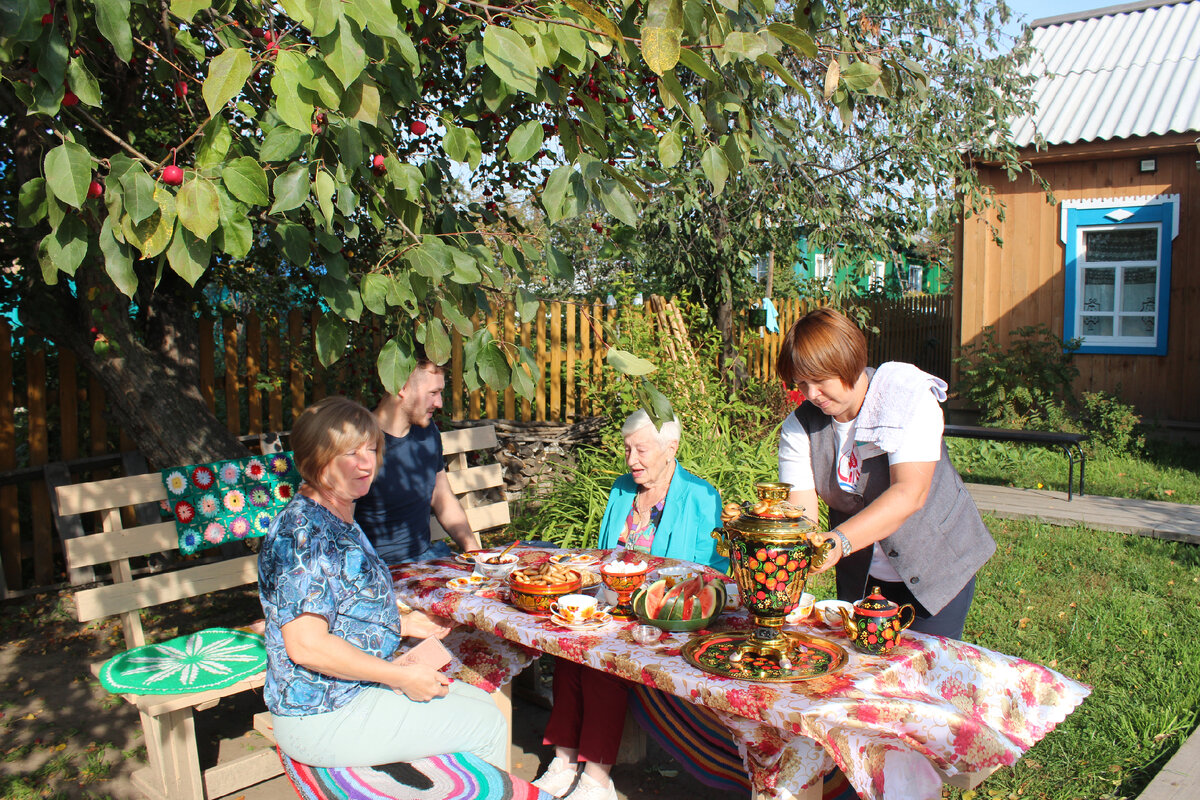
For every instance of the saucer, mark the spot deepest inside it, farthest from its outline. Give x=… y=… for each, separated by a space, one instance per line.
x=472 y=583
x=575 y=559
x=465 y=558
x=598 y=621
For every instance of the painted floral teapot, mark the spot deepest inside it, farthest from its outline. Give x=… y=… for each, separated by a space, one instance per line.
x=876 y=624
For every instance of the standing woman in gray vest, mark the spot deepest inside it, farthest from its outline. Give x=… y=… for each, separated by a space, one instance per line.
x=869 y=443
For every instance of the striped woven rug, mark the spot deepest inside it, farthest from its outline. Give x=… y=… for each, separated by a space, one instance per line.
x=697 y=739
x=459 y=776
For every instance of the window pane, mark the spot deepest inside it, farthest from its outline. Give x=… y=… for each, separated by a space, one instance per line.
x=1137 y=326
x=1137 y=244
x=1097 y=326
x=1099 y=289
x=1137 y=291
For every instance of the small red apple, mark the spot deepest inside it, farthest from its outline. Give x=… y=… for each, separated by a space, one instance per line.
x=47 y=19
x=418 y=128
x=95 y=189
x=172 y=175
x=181 y=89
x=69 y=99
x=377 y=162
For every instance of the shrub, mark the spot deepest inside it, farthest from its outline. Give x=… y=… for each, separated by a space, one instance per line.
x=1017 y=383
x=1114 y=426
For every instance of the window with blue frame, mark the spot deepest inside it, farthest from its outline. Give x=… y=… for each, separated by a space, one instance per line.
x=1118 y=272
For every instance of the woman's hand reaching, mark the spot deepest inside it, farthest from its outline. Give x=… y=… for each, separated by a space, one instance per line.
x=422 y=625
x=420 y=683
x=831 y=558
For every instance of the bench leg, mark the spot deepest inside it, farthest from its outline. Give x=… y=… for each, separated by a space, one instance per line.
x=502 y=697
x=174 y=771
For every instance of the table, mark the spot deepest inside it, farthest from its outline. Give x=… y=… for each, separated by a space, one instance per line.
x=934 y=710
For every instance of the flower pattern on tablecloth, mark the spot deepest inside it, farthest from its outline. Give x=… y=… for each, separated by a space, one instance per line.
x=931 y=708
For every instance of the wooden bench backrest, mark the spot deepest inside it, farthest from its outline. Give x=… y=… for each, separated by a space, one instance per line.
x=116 y=545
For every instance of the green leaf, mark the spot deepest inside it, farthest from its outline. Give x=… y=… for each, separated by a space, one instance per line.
x=507 y=55
x=772 y=63
x=236 y=234
x=860 y=76
x=559 y=265
x=198 y=208
x=118 y=260
x=215 y=144
x=138 y=189
x=454 y=315
x=800 y=41
x=112 y=18
x=598 y=18
x=462 y=145
x=291 y=101
x=227 y=74
x=186 y=9
x=154 y=233
x=670 y=149
x=67 y=245
x=362 y=102
x=82 y=83
x=660 y=48
x=246 y=180
x=493 y=366
x=525 y=141
x=342 y=297
x=627 y=363
x=374 y=292
x=296 y=242
x=395 y=363
x=655 y=403
x=346 y=58
x=527 y=305
x=716 y=168
x=188 y=256
x=31 y=203
x=522 y=383
x=437 y=341
x=291 y=188
x=280 y=144
x=745 y=45
x=68 y=173
x=331 y=339
x=696 y=63
x=323 y=188
x=616 y=201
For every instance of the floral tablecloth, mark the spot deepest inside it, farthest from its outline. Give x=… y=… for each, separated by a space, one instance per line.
x=934 y=710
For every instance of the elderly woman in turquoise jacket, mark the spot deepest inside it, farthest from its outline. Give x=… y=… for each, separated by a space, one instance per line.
x=657 y=508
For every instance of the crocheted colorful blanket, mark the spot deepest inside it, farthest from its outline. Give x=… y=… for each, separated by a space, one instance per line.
x=459 y=776
x=209 y=659
x=226 y=501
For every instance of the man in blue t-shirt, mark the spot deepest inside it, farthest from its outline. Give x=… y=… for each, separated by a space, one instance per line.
x=412 y=480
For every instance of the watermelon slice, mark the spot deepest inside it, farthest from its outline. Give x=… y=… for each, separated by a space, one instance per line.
x=710 y=601
x=670 y=600
x=689 y=607
x=654 y=598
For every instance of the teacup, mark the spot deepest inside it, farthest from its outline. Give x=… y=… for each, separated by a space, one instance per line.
x=575 y=608
x=802 y=610
x=674 y=575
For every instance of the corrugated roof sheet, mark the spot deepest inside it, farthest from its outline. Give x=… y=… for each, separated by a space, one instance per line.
x=1115 y=74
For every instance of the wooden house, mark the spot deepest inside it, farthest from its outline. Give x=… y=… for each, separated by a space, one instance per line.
x=1114 y=258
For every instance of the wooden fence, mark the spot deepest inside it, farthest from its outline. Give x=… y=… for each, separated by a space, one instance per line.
x=257 y=375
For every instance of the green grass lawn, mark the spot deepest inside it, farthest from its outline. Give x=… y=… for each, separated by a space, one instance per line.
x=1166 y=471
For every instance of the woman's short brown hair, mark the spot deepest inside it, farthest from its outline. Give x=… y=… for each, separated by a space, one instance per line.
x=327 y=429
x=822 y=344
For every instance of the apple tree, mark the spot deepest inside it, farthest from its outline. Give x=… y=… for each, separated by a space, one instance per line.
x=362 y=150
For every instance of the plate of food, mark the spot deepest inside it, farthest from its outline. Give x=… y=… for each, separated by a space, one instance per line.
x=598 y=621
x=472 y=583
x=575 y=559
x=465 y=558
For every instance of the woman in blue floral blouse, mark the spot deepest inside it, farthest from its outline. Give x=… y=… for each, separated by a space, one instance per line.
x=332 y=623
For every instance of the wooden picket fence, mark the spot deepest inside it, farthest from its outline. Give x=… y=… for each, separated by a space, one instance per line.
x=258 y=375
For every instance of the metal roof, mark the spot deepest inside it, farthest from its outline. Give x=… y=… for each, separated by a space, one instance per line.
x=1131 y=70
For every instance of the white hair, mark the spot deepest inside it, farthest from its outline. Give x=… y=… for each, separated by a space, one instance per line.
x=670 y=431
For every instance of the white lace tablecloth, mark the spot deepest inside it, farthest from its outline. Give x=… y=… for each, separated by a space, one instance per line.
x=932 y=711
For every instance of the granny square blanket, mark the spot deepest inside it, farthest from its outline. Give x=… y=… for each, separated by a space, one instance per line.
x=458 y=776
x=209 y=659
x=227 y=501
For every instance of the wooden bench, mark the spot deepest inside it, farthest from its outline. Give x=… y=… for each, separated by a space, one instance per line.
x=174 y=771
x=1070 y=443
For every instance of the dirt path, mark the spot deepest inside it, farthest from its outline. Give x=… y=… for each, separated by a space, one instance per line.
x=63 y=736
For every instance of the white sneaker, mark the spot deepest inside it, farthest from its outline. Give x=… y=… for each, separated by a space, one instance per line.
x=558 y=777
x=589 y=789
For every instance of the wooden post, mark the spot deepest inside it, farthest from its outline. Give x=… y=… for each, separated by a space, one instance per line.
x=526 y=406
x=10 y=521
x=295 y=369
x=556 y=361
x=39 y=451
x=473 y=400
x=511 y=339
x=770 y=273
x=68 y=411
x=569 y=406
x=456 y=375
x=539 y=329
x=233 y=412
x=598 y=352
x=490 y=396
x=253 y=356
x=275 y=401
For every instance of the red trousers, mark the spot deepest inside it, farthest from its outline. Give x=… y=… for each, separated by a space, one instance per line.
x=588 y=713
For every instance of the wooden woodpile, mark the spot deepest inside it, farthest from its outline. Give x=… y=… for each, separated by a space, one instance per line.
x=534 y=454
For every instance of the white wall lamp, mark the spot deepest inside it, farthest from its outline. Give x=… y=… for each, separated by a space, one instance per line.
x=1148 y=165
